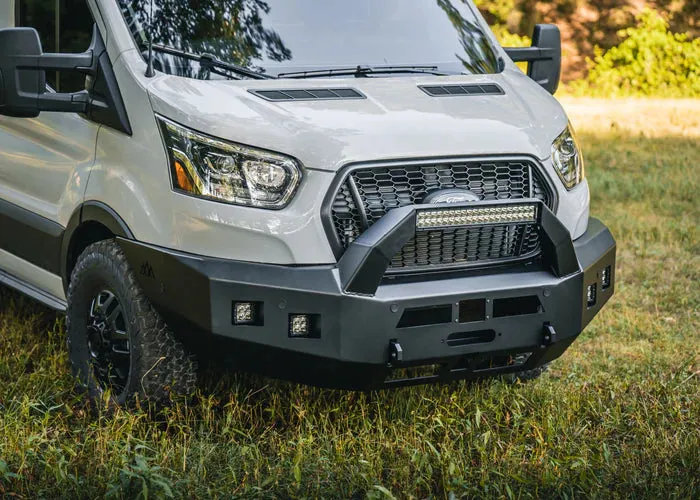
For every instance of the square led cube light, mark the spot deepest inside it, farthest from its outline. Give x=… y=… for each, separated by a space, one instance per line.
x=244 y=312
x=592 y=294
x=605 y=277
x=299 y=325
x=247 y=313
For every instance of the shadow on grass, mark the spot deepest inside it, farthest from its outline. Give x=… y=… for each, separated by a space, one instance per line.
x=220 y=387
x=25 y=310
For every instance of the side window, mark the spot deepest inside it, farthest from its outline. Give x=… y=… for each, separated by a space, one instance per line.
x=63 y=26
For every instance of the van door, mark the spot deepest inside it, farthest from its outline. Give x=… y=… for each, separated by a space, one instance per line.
x=44 y=161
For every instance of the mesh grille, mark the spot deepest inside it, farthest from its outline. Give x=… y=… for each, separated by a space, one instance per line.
x=346 y=217
x=380 y=189
x=444 y=247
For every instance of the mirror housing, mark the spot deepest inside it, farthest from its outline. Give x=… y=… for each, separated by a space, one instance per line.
x=543 y=57
x=23 y=91
x=19 y=88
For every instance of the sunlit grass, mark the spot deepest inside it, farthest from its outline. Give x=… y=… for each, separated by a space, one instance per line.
x=617 y=416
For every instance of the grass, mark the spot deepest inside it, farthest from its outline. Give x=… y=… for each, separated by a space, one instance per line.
x=617 y=416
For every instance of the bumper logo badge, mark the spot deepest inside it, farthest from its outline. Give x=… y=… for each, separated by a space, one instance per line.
x=450 y=196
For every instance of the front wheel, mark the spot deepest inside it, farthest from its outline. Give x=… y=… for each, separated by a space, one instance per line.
x=117 y=342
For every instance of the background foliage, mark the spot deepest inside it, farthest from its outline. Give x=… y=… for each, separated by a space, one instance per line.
x=650 y=61
x=613 y=47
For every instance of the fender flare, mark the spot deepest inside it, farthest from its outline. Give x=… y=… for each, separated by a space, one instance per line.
x=91 y=211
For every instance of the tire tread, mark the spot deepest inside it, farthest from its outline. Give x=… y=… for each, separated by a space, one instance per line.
x=159 y=362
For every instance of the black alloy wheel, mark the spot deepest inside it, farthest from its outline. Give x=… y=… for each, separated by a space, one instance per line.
x=108 y=342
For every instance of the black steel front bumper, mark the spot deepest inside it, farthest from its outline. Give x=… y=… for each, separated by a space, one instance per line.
x=370 y=328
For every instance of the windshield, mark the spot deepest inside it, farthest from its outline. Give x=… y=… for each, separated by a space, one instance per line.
x=276 y=37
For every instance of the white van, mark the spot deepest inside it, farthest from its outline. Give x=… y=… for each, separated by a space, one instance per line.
x=352 y=194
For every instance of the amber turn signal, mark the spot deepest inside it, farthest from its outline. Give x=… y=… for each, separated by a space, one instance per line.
x=182 y=178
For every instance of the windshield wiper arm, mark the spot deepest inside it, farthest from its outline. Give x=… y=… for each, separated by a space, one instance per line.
x=211 y=63
x=363 y=71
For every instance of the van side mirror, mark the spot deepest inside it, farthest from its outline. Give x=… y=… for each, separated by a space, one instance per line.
x=16 y=87
x=23 y=91
x=23 y=68
x=543 y=57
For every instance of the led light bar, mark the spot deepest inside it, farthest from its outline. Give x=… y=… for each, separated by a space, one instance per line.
x=476 y=216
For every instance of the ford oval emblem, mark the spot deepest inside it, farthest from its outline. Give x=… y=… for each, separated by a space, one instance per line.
x=451 y=196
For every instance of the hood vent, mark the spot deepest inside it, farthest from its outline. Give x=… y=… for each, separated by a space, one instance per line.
x=308 y=94
x=461 y=90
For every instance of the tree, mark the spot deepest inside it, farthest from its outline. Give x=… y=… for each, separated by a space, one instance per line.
x=231 y=30
x=651 y=60
x=585 y=24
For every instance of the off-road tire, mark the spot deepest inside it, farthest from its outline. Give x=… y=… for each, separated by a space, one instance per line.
x=527 y=375
x=160 y=369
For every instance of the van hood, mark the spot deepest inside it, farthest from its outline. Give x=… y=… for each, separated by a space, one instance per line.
x=397 y=120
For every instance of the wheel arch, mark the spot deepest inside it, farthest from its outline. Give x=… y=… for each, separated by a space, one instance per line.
x=91 y=222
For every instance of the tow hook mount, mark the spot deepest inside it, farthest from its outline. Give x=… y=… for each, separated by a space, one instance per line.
x=549 y=335
x=395 y=352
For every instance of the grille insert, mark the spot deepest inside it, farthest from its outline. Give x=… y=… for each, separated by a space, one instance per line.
x=347 y=219
x=367 y=194
x=422 y=316
x=516 y=306
x=455 y=246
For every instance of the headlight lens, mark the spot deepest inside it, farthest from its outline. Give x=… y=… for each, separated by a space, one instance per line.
x=211 y=168
x=568 y=159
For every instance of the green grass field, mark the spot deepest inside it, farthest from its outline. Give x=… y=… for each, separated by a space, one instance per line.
x=617 y=416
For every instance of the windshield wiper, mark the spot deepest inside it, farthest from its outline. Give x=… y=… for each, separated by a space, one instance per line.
x=363 y=71
x=212 y=63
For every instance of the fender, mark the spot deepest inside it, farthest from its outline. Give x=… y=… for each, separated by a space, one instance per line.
x=91 y=211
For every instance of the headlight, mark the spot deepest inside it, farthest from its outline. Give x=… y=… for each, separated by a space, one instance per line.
x=211 y=168
x=568 y=159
